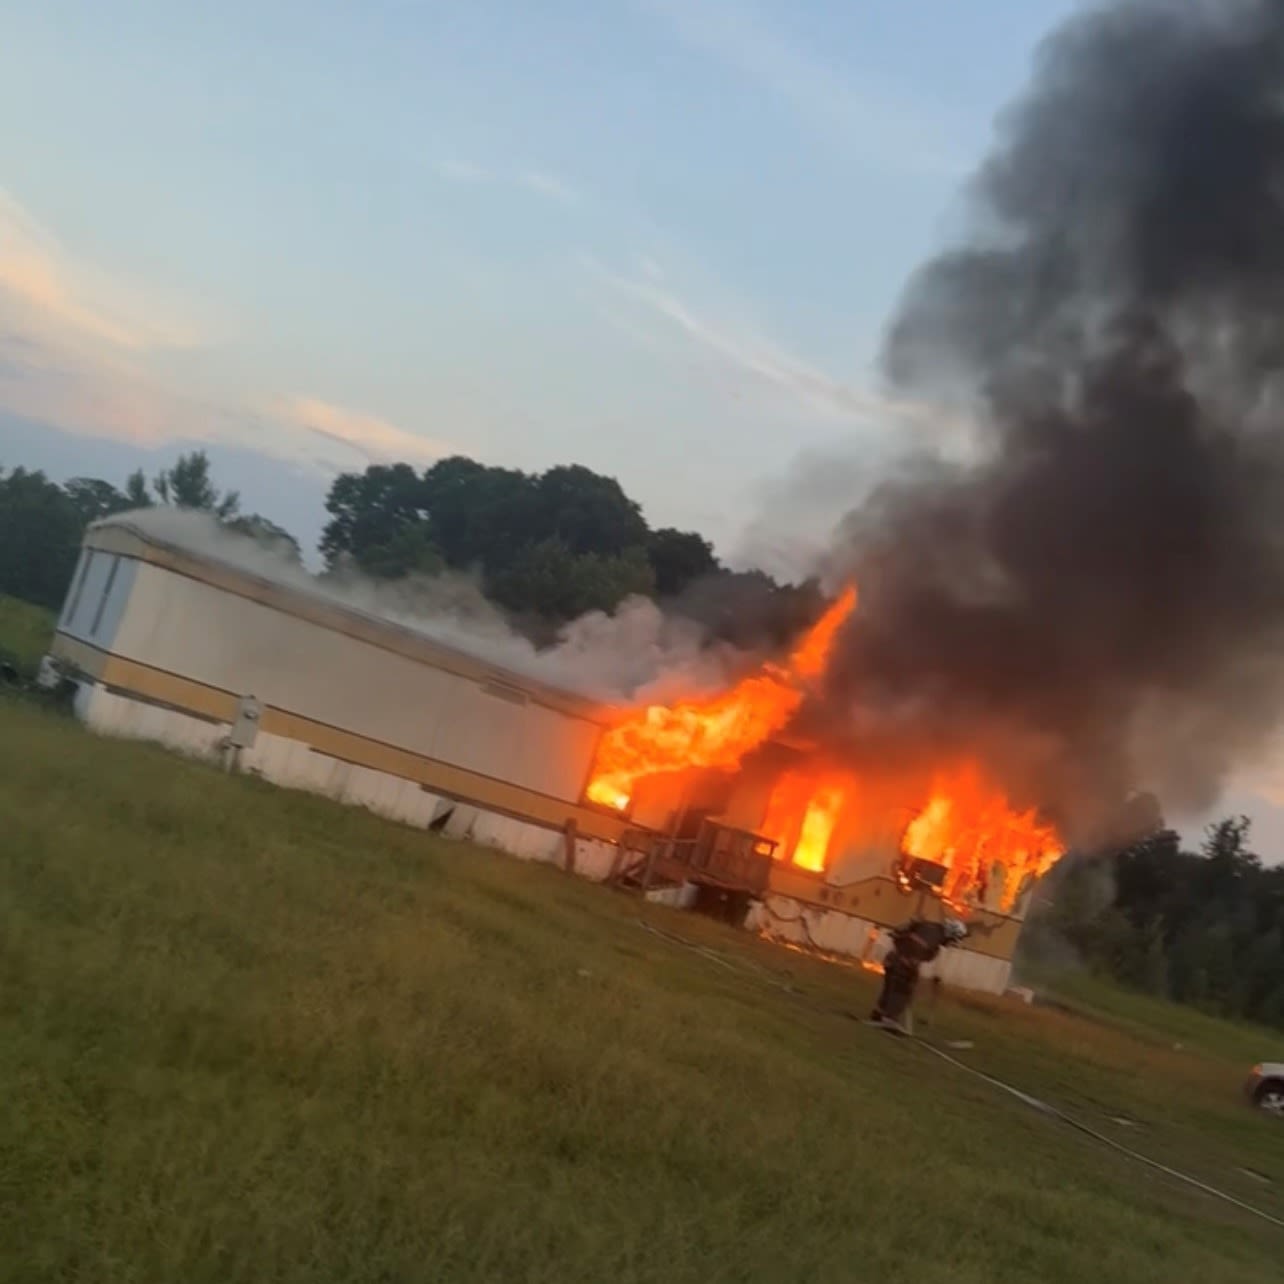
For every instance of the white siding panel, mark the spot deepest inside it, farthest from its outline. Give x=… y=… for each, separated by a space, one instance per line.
x=315 y=771
x=517 y=838
x=837 y=933
x=334 y=776
x=236 y=645
x=379 y=792
x=407 y=804
x=83 y=701
x=115 y=715
x=270 y=757
x=460 y=824
x=289 y=763
x=433 y=806
x=422 y=806
x=594 y=860
x=539 y=843
x=363 y=787
x=971 y=971
x=390 y=805
x=491 y=830
x=834 y=932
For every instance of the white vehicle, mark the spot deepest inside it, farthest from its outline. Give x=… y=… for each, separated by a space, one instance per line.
x=1266 y=1087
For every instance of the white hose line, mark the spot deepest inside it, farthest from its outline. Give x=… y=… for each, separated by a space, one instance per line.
x=1033 y=1102
x=1048 y=1109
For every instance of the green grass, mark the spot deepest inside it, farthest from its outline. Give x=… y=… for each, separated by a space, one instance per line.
x=247 y=1035
x=25 y=633
x=1158 y=1022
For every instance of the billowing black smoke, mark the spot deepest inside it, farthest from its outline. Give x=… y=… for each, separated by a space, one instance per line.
x=1096 y=600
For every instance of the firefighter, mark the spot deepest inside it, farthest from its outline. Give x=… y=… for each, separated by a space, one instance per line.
x=916 y=943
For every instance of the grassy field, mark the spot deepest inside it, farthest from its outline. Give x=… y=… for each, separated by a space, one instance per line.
x=247 y=1035
x=25 y=631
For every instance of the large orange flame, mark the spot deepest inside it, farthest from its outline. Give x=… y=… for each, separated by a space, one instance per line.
x=718 y=731
x=969 y=827
x=818 y=827
x=801 y=815
x=990 y=850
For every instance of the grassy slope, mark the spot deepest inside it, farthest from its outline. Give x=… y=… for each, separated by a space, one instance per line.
x=25 y=632
x=250 y=1035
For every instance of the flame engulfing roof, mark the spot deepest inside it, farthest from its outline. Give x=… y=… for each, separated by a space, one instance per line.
x=957 y=819
x=718 y=731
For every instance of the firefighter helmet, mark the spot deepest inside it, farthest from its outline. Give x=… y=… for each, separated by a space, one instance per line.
x=955 y=929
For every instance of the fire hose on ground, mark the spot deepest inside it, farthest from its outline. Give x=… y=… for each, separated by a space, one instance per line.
x=1035 y=1103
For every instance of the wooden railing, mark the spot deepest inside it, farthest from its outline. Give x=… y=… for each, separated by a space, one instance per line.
x=718 y=855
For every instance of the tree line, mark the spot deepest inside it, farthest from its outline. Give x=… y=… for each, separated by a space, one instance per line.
x=547 y=547
x=1205 y=928
x=42 y=523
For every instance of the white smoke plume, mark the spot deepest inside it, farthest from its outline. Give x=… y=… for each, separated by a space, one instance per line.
x=638 y=655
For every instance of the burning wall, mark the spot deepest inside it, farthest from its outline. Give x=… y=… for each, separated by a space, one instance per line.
x=823 y=814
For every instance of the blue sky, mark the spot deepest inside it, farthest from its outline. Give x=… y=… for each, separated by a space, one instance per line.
x=657 y=237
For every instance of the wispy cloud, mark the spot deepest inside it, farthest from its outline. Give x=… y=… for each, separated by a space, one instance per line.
x=45 y=288
x=750 y=354
x=74 y=349
x=547 y=185
x=75 y=343
x=872 y=119
x=88 y=397
x=377 y=440
x=82 y=394
x=457 y=171
x=538 y=181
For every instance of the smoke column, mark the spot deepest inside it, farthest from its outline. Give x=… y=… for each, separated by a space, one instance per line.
x=1094 y=602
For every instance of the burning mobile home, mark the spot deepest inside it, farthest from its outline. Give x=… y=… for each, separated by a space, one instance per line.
x=707 y=799
x=808 y=848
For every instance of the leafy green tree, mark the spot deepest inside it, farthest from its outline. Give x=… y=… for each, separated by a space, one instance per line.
x=40 y=529
x=136 y=492
x=1206 y=928
x=409 y=552
x=606 y=581
x=552 y=546
x=188 y=485
x=272 y=537
x=1228 y=863
x=482 y=518
x=551 y=581
x=372 y=513
x=589 y=513
x=1270 y=1011
x=1144 y=877
x=679 y=559
x=1188 y=971
x=1153 y=976
x=95 y=498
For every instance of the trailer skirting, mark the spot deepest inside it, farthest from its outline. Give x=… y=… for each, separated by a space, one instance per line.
x=293 y=764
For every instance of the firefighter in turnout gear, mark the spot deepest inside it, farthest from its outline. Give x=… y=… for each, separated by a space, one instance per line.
x=913 y=945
